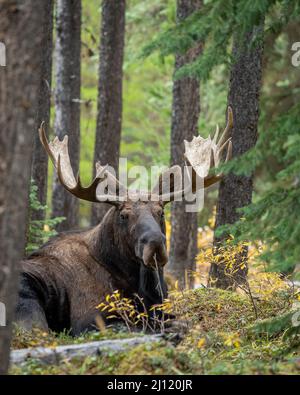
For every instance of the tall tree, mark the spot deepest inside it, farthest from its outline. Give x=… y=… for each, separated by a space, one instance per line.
x=21 y=29
x=235 y=191
x=39 y=170
x=185 y=115
x=109 y=119
x=67 y=101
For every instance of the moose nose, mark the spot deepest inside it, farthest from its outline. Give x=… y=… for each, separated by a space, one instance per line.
x=152 y=249
x=155 y=239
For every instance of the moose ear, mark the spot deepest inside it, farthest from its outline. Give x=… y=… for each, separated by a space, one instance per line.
x=169 y=182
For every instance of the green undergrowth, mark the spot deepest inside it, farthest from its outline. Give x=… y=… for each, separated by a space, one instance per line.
x=38 y=338
x=226 y=336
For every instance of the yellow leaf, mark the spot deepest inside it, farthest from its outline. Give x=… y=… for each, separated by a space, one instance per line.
x=237 y=344
x=201 y=343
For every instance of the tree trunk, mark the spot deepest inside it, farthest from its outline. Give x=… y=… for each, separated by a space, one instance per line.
x=109 y=120
x=67 y=102
x=236 y=191
x=39 y=171
x=21 y=29
x=185 y=115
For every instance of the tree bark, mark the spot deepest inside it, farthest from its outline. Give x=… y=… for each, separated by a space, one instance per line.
x=21 y=29
x=67 y=102
x=109 y=119
x=185 y=115
x=39 y=171
x=236 y=191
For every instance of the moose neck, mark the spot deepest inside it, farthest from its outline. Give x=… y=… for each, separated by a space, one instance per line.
x=115 y=254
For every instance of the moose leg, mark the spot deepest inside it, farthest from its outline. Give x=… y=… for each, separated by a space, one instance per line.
x=29 y=311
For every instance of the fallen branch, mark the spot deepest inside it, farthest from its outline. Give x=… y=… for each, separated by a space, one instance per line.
x=57 y=354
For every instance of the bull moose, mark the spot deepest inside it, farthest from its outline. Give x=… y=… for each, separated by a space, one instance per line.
x=62 y=283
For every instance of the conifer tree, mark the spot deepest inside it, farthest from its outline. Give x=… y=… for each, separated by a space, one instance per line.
x=67 y=102
x=109 y=119
x=185 y=115
x=20 y=83
x=235 y=191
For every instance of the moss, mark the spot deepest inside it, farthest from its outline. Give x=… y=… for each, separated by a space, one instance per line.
x=36 y=337
x=218 y=342
x=214 y=308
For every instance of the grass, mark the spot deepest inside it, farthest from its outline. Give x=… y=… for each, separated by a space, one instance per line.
x=224 y=337
x=38 y=338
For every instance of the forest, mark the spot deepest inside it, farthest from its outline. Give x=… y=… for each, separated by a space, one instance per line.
x=176 y=251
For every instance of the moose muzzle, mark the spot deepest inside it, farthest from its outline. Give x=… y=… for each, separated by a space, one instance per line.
x=154 y=251
x=151 y=245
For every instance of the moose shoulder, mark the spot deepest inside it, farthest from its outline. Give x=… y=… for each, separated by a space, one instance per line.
x=63 y=282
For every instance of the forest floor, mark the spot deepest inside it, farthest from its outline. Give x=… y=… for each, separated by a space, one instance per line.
x=229 y=333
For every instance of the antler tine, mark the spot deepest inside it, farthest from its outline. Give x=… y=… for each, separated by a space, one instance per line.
x=227 y=128
x=44 y=141
x=204 y=154
x=229 y=152
x=58 y=149
x=212 y=159
x=84 y=193
x=216 y=135
x=59 y=155
x=112 y=180
x=221 y=149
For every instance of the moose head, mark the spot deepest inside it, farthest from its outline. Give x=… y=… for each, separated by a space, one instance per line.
x=139 y=216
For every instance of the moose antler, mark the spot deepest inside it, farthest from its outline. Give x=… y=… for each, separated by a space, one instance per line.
x=59 y=155
x=201 y=155
x=204 y=154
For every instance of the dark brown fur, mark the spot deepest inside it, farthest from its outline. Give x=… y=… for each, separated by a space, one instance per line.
x=64 y=281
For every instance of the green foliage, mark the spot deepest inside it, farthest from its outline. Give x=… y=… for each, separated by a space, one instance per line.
x=39 y=338
x=278 y=325
x=275 y=217
x=215 y=24
x=39 y=231
x=147 y=101
x=218 y=342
